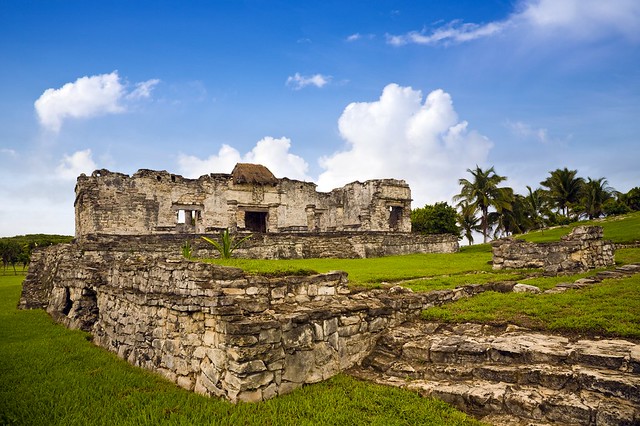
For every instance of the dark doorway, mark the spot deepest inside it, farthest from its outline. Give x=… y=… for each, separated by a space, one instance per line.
x=255 y=221
x=395 y=217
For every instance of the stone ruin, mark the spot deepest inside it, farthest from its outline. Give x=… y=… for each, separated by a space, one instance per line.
x=212 y=329
x=222 y=332
x=249 y=199
x=218 y=330
x=582 y=249
x=287 y=218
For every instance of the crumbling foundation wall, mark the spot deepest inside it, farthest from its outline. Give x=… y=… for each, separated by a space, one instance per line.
x=581 y=250
x=213 y=329
x=287 y=245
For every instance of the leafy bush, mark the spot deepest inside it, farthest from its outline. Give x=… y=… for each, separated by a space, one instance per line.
x=439 y=218
x=632 y=199
x=615 y=207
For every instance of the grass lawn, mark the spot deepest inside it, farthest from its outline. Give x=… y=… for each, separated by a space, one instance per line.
x=371 y=272
x=619 y=229
x=50 y=375
x=610 y=308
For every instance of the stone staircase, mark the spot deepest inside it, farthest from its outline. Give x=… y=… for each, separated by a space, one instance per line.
x=512 y=376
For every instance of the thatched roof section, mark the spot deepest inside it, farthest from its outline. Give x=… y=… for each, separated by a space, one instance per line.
x=253 y=174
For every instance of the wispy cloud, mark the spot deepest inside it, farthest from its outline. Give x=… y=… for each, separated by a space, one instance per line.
x=455 y=31
x=298 y=81
x=582 y=19
x=143 y=90
x=87 y=97
x=575 y=19
x=9 y=152
x=358 y=36
x=524 y=130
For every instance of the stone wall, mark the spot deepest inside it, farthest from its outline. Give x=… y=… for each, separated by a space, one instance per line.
x=213 y=329
x=158 y=202
x=581 y=250
x=288 y=245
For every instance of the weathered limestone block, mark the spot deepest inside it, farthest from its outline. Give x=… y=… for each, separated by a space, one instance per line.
x=581 y=250
x=526 y=288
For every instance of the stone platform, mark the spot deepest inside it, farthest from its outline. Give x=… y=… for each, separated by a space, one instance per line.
x=512 y=376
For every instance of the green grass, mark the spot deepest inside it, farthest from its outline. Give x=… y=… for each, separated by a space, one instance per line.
x=609 y=308
x=628 y=255
x=546 y=283
x=373 y=271
x=50 y=375
x=452 y=281
x=619 y=229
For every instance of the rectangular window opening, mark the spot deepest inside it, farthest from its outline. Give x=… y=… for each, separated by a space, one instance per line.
x=255 y=221
x=395 y=217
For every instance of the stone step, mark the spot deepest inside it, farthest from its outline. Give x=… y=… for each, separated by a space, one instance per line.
x=573 y=379
x=476 y=344
x=514 y=404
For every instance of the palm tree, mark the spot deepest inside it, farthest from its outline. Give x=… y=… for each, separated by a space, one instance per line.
x=468 y=220
x=563 y=188
x=509 y=217
x=482 y=192
x=593 y=196
x=536 y=208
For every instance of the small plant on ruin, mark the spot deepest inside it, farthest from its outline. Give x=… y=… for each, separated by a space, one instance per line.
x=227 y=244
x=187 y=250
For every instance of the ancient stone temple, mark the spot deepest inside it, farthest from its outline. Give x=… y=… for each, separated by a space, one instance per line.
x=287 y=218
x=251 y=198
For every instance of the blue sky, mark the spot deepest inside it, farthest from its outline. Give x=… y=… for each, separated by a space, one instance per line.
x=330 y=91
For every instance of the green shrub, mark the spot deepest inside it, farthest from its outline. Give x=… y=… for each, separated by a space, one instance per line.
x=439 y=218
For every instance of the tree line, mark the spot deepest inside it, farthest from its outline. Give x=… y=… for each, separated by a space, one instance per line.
x=17 y=250
x=484 y=206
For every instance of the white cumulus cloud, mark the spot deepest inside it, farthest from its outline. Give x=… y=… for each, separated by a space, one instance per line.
x=577 y=19
x=400 y=136
x=270 y=152
x=71 y=166
x=298 y=81
x=87 y=97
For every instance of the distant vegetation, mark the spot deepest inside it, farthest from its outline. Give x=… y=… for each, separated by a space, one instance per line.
x=484 y=206
x=17 y=250
x=440 y=218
